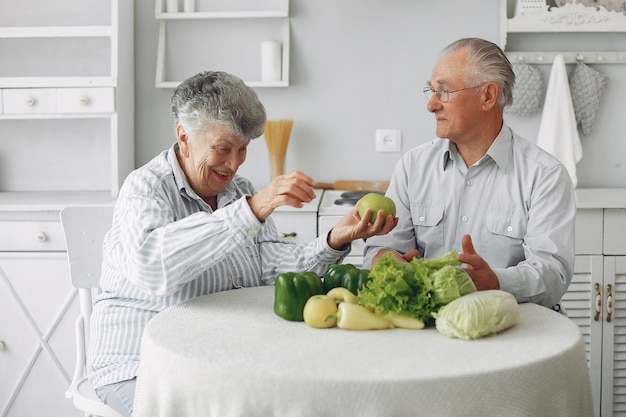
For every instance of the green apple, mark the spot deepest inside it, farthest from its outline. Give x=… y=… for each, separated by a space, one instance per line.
x=376 y=202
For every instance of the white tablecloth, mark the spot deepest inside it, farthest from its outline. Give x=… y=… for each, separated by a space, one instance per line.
x=227 y=354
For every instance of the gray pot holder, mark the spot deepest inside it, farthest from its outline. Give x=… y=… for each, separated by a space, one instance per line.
x=528 y=90
x=586 y=87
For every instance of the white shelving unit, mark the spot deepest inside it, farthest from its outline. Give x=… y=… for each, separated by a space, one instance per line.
x=66 y=138
x=66 y=91
x=185 y=40
x=580 y=16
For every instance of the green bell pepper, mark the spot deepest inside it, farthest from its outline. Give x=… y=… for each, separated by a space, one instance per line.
x=346 y=276
x=291 y=292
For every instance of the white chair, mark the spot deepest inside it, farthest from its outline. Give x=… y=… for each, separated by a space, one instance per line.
x=84 y=229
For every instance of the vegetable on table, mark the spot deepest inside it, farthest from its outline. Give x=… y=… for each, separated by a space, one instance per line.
x=291 y=292
x=417 y=288
x=318 y=311
x=404 y=321
x=477 y=315
x=356 y=317
x=346 y=276
x=342 y=295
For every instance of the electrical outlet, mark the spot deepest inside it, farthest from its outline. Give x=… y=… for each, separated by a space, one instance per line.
x=388 y=140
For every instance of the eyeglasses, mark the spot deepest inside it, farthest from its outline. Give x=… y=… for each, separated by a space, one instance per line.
x=443 y=93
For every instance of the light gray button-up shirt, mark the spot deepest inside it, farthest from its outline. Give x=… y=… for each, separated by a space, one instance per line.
x=517 y=203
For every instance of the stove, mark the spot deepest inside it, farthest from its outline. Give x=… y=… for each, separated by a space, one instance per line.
x=339 y=202
x=333 y=206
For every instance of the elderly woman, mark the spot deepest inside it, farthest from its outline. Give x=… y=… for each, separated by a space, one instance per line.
x=186 y=225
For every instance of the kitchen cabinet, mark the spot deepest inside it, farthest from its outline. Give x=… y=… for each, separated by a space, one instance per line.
x=298 y=224
x=66 y=88
x=596 y=298
x=39 y=305
x=37 y=320
x=223 y=35
x=66 y=137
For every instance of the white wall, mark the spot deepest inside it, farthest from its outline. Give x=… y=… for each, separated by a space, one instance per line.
x=359 y=65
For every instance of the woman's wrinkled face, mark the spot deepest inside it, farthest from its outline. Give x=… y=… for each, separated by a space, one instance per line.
x=211 y=160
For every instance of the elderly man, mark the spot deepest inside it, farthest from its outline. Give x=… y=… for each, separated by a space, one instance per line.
x=506 y=205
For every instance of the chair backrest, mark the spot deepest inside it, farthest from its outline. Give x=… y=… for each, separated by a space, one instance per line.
x=84 y=228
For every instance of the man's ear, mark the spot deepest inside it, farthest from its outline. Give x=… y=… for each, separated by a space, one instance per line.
x=183 y=140
x=490 y=95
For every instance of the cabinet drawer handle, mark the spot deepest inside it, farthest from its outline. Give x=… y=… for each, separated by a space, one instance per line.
x=596 y=317
x=41 y=237
x=83 y=100
x=609 y=303
x=30 y=101
x=290 y=234
x=2 y=346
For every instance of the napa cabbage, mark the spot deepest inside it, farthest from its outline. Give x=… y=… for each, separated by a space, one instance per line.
x=477 y=315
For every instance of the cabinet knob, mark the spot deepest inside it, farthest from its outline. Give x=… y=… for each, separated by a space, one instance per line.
x=41 y=237
x=30 y=101
x=2 y=345
x=83 y=100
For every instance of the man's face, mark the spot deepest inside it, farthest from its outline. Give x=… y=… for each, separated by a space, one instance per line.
x=211 y=160
x=457 y=117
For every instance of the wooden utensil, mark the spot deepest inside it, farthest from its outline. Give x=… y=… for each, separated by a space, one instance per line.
x=351 y=185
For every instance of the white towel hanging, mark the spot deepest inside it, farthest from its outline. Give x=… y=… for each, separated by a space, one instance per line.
x=558 y=132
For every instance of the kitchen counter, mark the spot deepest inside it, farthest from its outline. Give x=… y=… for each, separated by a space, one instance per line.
x=597 y=198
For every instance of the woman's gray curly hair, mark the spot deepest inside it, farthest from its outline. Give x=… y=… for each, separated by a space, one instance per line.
x=218 y=98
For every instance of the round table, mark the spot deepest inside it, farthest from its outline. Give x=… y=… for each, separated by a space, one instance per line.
x=227 y=354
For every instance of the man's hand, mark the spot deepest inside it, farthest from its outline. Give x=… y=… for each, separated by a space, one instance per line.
x=291 y=189
x=479 y=271
x=351 y=227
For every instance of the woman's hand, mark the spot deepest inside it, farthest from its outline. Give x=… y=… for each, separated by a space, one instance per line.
x=293 y=189
x=352 y=227
x=477 y=268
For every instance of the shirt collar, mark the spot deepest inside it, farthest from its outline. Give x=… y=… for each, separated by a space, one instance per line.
x=499 y=150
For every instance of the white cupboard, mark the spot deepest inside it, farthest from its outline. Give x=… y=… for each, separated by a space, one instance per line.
x=66 y=137
x=298 y=224
x=67 y=94
x=596 y=299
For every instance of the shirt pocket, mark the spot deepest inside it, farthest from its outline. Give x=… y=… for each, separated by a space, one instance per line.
x=509 y=225
x=428 y=225
x=506 y=233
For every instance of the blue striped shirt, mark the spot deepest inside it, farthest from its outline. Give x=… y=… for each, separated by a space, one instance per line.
x=167 y=245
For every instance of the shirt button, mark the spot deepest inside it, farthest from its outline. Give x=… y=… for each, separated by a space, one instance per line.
x=509 y=229
x=251 y=232
x=422 y=218
x=469 y=183
x=464 y=218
